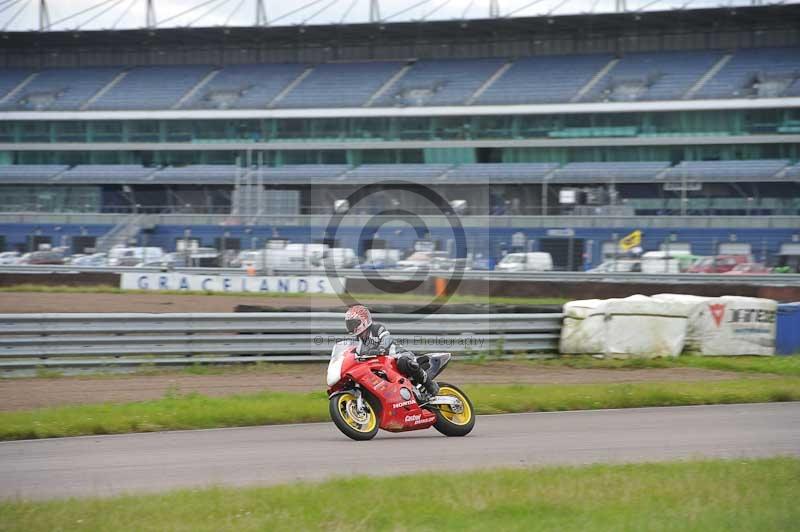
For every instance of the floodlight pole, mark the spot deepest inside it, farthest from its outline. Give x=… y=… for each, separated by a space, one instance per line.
x=150 y=21
x=44 y=15
x=621 y=6
x=374 y=11
x=261 y=13
x=494 y=9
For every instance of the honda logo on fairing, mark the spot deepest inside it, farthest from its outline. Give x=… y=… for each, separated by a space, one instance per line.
x=404 y=403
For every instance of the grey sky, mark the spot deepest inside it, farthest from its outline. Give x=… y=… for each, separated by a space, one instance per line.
x=131 y=13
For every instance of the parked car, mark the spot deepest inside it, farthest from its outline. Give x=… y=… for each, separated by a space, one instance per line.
x=122 y=256
x=532 y=261
x=666 y=261
x=419 y=259
x=42 y=257
x=748 y=268
x=9 y=257
x=378 y=259
x=719 y=263
x=95 y=260
x=287 y=258
x=335 y=258
x=622 y=265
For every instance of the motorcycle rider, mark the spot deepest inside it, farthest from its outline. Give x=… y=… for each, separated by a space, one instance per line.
x=375 y=339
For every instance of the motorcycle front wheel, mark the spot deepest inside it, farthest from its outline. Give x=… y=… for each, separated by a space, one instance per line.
x=449 y=421
x=360 y=426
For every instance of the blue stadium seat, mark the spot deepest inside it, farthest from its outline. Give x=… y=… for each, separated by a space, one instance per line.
x=604 y=172
x=755 y=72
x=413 y=172
x=10 y=78
x=653 y=76
x=544 y=79
x=29 y=173
x=440 y=82
x=340 y=84
x=152 y=87
x=100 y=174
x=196 y=174
x=301 y=173
x=62 y=89
x=244 y=86
x=793 y=172
x=478 y=173
x=728 y=171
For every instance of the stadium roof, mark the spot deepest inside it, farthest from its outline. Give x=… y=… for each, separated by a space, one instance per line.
x=755 y=18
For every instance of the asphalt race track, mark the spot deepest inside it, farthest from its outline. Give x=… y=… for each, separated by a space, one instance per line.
x=105 y=465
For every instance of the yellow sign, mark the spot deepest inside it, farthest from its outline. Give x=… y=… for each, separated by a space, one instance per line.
x=631 y=241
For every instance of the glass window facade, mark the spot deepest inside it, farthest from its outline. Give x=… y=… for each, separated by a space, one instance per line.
x=693 y=123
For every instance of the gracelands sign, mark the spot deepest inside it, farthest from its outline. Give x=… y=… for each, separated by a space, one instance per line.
x=229 y=283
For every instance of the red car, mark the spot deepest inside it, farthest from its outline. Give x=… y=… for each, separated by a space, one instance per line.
x=749 y=268
x=42 y=257
x=719 y=264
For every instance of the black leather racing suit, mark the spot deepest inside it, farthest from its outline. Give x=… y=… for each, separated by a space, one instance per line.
x=377 y=340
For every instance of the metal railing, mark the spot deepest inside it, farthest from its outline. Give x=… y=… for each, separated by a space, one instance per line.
x=430 y=220
x=88 y=340
x=769 y=279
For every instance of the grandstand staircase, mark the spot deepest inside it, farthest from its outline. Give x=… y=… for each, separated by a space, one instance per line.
x=16 y=90
x=290 y=87
x=388 y=85
x=488 y=83
x=707 y=76
x=595 y=80
x=99 y=94
x=199 y=85
x=121 y=234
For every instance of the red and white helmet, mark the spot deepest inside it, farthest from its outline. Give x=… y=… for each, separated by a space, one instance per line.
x=357 y=319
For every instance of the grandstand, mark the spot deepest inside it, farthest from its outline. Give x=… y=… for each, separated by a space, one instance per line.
x=648 y=118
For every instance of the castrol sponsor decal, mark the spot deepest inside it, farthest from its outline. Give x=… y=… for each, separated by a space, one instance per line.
x=415 y=417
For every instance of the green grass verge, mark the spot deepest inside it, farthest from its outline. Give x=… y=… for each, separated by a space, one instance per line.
x=735 y=495
x=778 y=365
x=108 y=289
x=787 y=366
x=194 y=411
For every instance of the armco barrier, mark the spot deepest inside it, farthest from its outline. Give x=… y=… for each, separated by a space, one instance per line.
x=64 y=340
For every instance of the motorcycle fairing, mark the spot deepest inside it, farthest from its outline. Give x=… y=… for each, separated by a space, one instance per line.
x=397 y=413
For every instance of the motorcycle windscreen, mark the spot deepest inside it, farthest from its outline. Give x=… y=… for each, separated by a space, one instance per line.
x=337 y=358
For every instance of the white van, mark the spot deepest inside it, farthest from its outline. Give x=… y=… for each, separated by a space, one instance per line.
x=122 y=256
x=381 y=258
x=532 y=261
x=296 y=257
x=339 y=258
x=665 y=262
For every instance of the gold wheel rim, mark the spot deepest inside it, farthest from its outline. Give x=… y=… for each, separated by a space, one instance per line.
x=456 y=418
x=346 y=404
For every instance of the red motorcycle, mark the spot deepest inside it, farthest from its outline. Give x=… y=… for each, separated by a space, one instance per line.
x=369 y=393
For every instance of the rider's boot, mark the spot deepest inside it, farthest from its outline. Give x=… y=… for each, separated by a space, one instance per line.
x=430 y=386
x=410 y=367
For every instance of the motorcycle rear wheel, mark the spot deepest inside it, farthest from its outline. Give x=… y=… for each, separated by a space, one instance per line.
x=450 y=422
x=354 y=425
